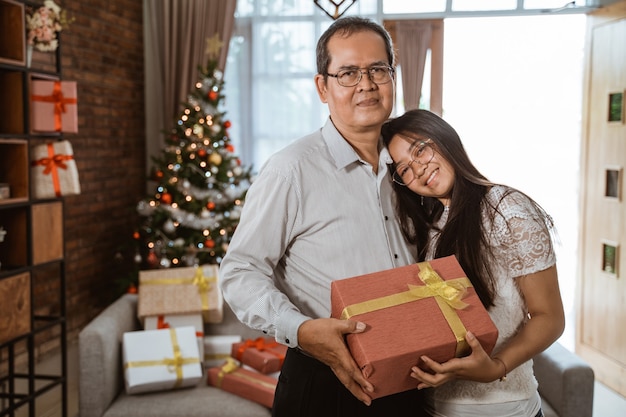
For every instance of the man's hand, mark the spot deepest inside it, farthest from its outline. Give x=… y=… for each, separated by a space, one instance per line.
x=324 y=340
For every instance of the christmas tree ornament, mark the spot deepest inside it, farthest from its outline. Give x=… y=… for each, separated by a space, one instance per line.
x=188 y=220
x=166 y=198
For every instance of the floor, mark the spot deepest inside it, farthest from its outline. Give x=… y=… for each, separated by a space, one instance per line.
x=606 y=402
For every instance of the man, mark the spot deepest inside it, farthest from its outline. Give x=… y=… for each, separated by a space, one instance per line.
x=320 y=210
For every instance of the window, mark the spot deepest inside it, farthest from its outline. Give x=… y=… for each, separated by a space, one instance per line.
x=508 y=92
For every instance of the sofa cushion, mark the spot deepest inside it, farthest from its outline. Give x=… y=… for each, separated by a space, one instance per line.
x=199 y=401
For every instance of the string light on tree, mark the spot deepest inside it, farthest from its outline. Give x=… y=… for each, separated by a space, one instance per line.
x=201 y=183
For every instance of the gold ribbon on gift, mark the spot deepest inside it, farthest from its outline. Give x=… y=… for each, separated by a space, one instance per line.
x=59 y=101
x=52 y=163
x=199 y=280
x=174 y=364
x=230 y=367
x=448 y=295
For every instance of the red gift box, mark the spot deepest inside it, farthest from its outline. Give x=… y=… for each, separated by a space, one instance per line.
x=244 y=383
x=415 y=310
x=263 y=354
x=54 y=106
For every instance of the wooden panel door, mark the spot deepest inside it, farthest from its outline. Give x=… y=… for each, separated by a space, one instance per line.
x=601 y=334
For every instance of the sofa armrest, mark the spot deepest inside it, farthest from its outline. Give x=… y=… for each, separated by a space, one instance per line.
x=100 y=376
x=566 y=381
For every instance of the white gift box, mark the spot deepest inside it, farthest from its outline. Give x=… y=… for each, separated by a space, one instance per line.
x=53 y=170
x=160 y=359
x=217 y=348
x=167 y=321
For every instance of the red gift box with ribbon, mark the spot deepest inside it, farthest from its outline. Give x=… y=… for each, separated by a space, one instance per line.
x=53 y=170
x=263 y=354
x=186 y=290
x=54 y=106
x=410 y=311
x=244 y=383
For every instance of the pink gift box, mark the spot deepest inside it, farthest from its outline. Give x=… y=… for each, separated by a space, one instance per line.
x=263 y=354
x=244 y=383
x=53 y=106
x=410 y=311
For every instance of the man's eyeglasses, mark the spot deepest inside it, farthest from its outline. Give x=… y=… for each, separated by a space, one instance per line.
x=349 y=77
x=422 y=153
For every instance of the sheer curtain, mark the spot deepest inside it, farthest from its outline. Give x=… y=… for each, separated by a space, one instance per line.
x=175 y=33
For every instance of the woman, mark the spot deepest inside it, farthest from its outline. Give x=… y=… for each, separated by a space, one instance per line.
x=501 y=238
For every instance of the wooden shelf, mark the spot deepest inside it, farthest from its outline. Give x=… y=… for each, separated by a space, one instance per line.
x=14 y=169
x=12 y=31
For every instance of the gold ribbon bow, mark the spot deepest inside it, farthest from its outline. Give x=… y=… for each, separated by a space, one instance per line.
x=199 y=280
x=230 y=367
x=202 y=282
x=447 y=294
x=174 y=364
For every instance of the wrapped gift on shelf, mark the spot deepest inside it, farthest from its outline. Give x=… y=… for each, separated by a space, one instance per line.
x=169 y=321
x=162 y=359
x=53 y=106
x=410 y=311
x=263 y=354
x=244 y=383
x=53 y=170
x=180 y=291
x=217 y=349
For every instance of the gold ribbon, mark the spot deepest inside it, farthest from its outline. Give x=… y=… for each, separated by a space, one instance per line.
x=447 y=294
x=199 y=280
x=230 y=367
x=174 y=364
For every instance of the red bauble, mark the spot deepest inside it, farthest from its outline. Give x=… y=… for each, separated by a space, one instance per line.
x=210 y=205
x=166 y=198
x=230 y=148
x=201 y=153
x=227 y=124
x=158 y=174
x=132 y=289
x=212 y=95
x=209 y=243
x=136 y=235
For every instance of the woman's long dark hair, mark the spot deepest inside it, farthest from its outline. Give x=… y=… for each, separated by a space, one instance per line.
x=464 y=234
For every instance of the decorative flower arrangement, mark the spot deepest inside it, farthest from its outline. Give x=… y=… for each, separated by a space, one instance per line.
x=43 y=24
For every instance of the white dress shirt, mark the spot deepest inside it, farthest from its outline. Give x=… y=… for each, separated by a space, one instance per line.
x=315 y=213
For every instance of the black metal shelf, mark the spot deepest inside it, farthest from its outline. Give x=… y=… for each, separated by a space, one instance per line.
x=22 y=383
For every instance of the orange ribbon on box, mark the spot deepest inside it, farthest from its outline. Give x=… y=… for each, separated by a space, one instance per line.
x=59 y=101
x=51 y=164
x=261 y=345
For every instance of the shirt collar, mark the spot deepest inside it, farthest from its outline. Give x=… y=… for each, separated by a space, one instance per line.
x=340 y=149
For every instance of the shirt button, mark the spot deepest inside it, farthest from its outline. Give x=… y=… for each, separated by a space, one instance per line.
x=386 y=218
x=395 y=255
x=287 y=341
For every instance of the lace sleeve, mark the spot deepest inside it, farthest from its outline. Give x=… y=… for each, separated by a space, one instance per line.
x=524 y=241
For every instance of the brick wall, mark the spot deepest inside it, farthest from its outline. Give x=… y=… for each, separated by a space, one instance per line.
x=103 y=51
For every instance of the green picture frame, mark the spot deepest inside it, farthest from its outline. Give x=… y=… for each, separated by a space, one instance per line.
x=616 y=107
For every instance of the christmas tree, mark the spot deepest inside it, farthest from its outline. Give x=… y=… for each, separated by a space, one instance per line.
x=200 y=185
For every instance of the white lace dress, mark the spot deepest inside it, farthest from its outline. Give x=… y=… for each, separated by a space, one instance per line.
x=522 y=245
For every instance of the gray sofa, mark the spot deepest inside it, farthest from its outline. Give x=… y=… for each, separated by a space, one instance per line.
x=565 y=381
